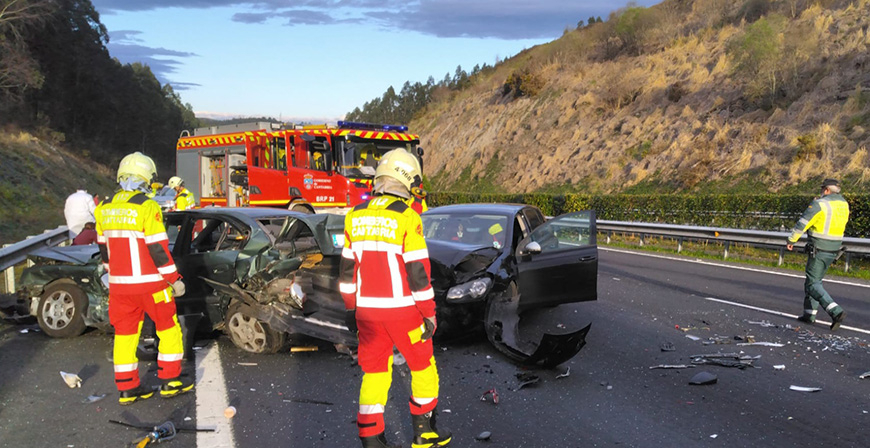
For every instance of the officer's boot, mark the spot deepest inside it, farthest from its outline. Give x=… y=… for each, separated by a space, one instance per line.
x=426 y=435
x=378 y=441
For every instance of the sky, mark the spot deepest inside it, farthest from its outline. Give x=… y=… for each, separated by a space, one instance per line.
x=316 y=60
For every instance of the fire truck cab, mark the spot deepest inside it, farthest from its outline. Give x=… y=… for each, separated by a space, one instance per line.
x=300 y=167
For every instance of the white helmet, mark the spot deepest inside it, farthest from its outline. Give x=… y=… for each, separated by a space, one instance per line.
x=139 y=165
x=175 y=181
x=400 y=165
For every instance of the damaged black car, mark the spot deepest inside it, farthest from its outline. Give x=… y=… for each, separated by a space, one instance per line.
x=493 y=262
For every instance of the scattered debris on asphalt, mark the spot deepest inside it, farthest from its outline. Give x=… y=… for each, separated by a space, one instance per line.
x=690 y=328
x=493 y=393
x=764 y=344
x=564 y=375
x=713 y=436
x=399 y=359
x=483 y=436
x=607 y=385
x=247 y=363
x=527 y=379
x=763 y=323
x=673 y=366
x=310 y=348
x=703 y=379
x=864 y=375
x=805 y=389
x=779 y=367
x=72 y=380
x=725 y=359
x=230 y=412
x=667 y=347
x=694 y=338
x=94 y=398
x=307 y=401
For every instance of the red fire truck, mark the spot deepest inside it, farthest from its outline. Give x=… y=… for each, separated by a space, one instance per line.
x=298 y=167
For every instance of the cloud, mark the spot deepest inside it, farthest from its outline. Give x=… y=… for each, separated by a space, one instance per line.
x=163 y=62
x=501 y=19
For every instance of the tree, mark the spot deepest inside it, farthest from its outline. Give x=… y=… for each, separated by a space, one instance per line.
x=756 y=55
x=19 y=71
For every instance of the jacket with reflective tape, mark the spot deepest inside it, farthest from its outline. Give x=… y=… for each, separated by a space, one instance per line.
x=134 y=245
x=184 y=200
x=385 y=271
x=824 y=221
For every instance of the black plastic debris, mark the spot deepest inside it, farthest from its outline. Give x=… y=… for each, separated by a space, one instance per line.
x=668 y=347
x=703 y=379
x=725 y=359
x=483 y=436
x=527 y=379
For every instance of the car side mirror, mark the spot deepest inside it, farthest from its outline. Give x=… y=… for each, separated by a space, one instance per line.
x=532 y=248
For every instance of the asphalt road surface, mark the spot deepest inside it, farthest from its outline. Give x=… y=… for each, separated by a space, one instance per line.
x=606 y=396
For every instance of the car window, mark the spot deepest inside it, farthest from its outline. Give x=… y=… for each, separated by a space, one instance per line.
x=534 y=217
x=468 y=228
x=214 y=234
x=565 y=232
x=273 y=225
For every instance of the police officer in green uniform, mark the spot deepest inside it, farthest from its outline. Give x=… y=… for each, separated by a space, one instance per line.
x=824 y=221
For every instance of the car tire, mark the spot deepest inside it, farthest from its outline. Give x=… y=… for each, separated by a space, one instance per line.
x=61 y=310
x=249 y=333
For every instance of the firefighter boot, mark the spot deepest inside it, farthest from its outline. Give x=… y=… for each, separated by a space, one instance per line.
x=133 y=395
x=837 y=319
x=175 y=387
x=426 y=435
x=378 y=441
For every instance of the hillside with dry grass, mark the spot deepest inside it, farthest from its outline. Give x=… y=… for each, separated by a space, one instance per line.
x=36 y=175
x=687 y=96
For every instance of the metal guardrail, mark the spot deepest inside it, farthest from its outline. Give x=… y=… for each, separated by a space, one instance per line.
x=13 y=254
x=776 y=240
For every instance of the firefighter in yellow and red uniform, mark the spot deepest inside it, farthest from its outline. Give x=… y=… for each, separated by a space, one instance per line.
x=385 y=282
x=142 y=279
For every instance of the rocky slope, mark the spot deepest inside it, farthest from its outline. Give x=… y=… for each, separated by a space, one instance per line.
x=678 y=116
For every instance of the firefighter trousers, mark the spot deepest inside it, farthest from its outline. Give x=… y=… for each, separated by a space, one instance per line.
x=126 y=313
x=815 y=294
x=376 y=341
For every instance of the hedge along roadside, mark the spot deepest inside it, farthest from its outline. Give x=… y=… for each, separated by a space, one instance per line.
x=759 y=212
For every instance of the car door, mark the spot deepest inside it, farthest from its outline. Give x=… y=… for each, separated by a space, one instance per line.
x=209 y=249
x=558 y=262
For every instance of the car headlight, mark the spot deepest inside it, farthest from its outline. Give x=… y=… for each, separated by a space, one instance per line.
x=474 y=289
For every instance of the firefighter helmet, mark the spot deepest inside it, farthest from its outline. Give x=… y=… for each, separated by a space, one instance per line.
x=400 y=165
x=139 y=165
x=175 y=182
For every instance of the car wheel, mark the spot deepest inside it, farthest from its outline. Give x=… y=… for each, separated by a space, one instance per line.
x=250 y=334
x=61 y=310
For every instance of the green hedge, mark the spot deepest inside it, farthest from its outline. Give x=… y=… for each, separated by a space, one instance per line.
x=761 y=212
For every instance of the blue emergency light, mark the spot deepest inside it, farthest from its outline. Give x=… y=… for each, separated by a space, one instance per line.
x=372 y=126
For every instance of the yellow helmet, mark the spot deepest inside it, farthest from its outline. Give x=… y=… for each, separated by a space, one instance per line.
x=400 y=165
x=175 y=181
x=139 y=165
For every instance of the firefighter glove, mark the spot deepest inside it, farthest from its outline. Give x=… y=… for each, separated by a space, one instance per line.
x=350 y=321
x=178 y=288
x=429 y=323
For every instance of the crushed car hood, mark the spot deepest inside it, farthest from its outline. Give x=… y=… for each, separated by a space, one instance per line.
x=69 y=254
x=454 y=263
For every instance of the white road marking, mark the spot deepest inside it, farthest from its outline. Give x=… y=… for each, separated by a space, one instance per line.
x=779 y=313
x=211 y=400
x=743 y=268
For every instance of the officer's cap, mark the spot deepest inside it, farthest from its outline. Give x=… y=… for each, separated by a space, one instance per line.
x=830 y=183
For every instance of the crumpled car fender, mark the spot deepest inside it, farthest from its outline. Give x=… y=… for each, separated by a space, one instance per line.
x=502 y=329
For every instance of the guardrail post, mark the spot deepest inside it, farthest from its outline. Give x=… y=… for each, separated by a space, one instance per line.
x=781 y=253
x=9 y=278
x=608 y=237
x=679 y=245
x=727 y=246
x=848 y=259
x=641 y=239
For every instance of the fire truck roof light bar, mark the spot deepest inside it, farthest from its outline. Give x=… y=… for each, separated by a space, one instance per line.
x=371 y=126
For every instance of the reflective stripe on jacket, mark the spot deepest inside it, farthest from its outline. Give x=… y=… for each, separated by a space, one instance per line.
x=824 y=221
x=134 y=245
x=385 y=271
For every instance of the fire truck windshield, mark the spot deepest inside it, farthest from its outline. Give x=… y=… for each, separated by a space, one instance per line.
x=360 y=158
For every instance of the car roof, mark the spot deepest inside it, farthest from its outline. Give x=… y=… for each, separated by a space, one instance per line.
x=498 y=208
x=249 y=212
